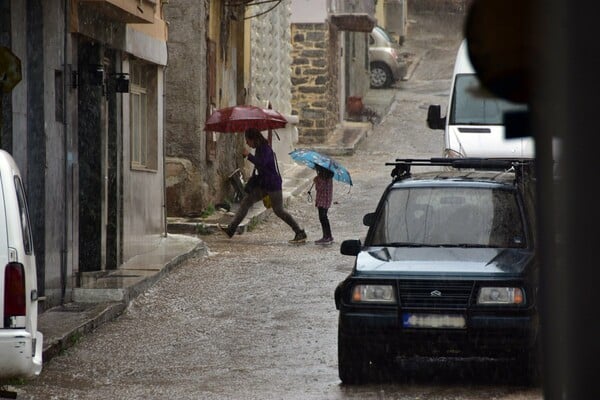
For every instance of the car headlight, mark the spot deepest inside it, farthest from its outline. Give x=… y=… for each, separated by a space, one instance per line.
x=500 y=295
x=373 y=294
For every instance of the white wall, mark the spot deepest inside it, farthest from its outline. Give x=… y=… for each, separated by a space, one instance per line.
x=308 y=11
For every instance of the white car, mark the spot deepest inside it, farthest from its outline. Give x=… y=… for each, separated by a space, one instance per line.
x=20 y=341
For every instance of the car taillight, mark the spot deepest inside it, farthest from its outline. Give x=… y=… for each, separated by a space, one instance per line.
x=14 y=294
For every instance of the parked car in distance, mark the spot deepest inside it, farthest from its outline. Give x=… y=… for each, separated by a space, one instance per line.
x=385 y=62
x=20 y=341
x=448 y=268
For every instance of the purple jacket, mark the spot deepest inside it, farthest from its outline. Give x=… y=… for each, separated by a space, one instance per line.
x=265 y=163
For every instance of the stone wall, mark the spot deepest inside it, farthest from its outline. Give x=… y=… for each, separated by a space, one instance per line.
x=314 y=74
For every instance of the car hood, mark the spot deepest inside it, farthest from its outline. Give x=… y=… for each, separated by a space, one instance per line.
x=443 y=260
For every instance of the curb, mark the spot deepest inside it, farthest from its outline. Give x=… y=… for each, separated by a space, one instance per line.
x=93 y=315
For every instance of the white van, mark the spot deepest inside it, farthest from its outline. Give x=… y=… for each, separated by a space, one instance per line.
x=474 y=121
x=20 y=341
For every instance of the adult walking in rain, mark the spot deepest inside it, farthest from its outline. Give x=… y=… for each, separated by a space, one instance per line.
x=267 y=181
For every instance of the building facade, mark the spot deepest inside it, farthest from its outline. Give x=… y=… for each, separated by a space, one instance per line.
x=85 y=125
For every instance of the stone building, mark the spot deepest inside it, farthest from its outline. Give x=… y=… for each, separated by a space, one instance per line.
x=329 y=62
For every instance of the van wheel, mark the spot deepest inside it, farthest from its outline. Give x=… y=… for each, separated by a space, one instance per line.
x=381 y=76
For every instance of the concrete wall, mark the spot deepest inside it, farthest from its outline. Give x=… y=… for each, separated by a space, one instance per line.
x=356 y=63
x=185 y=108
x=143 y=212
x=56 y=188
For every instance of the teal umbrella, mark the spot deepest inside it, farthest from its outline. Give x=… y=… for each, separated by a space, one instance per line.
x=312 y=158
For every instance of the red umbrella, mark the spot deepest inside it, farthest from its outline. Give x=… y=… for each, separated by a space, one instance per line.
x=239 y=118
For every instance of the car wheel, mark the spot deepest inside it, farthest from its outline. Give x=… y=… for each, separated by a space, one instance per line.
x=353 y=361
x=381 y=76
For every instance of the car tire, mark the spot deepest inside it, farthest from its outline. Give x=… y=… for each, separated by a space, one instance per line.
x=353 y=361
x=381 y=75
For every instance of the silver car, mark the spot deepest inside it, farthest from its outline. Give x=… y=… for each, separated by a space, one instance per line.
x=385 y=62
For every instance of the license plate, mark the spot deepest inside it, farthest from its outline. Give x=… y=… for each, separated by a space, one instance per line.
x=439 y=321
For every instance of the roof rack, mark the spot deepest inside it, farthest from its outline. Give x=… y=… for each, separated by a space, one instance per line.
x=402 y=165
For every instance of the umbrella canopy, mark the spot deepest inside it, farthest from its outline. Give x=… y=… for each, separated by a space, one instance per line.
x=313 y=158
x=239 y=118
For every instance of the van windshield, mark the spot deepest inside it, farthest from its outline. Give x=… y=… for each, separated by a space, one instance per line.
x=472 y=106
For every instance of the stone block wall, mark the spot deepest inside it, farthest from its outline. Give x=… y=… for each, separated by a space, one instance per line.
x=314 y=80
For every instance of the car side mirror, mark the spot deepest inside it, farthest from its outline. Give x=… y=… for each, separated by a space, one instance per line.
x=369 y=219
x=434 y=117
x=350 y=247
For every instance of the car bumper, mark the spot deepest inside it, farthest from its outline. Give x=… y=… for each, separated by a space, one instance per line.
x=399 y=69
x=17 y=358
x=484 y=335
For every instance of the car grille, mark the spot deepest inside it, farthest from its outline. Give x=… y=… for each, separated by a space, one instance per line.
x=435 y=293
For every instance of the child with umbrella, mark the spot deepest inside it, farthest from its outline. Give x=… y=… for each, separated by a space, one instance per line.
x=323 y=183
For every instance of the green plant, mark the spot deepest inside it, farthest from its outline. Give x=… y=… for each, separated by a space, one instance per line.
x=4 y=384
x=208 y=211
x=254 y=221
x=75 y=338
x=202 y=229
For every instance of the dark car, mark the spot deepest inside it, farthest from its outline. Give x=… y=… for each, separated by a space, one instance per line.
x=448 y=268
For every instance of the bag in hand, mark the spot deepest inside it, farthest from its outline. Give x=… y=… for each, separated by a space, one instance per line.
x=267 y=201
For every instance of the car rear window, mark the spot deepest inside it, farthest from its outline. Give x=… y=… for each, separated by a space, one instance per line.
x=445 y=216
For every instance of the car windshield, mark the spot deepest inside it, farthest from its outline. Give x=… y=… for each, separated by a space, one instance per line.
x=473 y=107
x=444 y=216
x=384 y=34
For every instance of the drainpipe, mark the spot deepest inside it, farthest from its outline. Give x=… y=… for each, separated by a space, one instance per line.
x=164 y=151
x=67 y=155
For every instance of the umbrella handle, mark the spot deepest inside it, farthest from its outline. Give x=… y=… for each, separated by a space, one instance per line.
x=309 y=194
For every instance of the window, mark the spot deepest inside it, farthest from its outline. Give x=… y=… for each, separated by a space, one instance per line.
x=475 y=107
x=144 y=121
x=24 y=214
